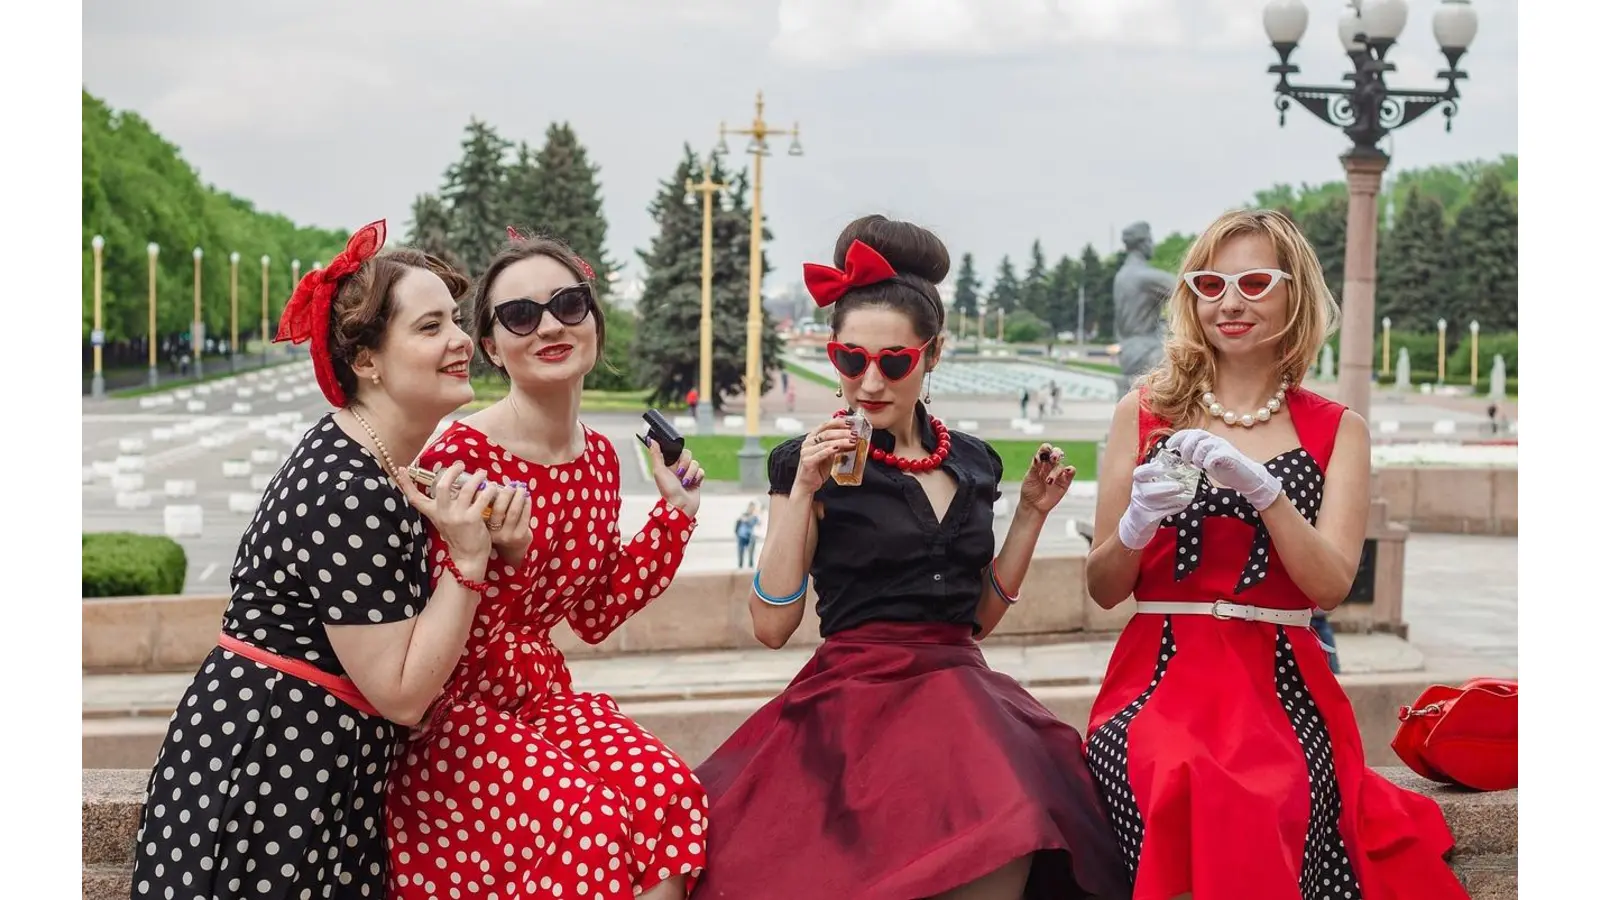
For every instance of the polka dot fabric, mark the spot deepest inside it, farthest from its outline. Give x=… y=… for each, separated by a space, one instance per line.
x=1226 y=751
x=1326 y=870
x=268 y=786
x=1107 y=752
x=517 y=786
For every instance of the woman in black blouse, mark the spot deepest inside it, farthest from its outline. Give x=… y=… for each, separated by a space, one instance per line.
x=897 y=765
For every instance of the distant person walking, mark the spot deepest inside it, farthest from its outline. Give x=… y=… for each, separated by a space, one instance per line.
x=744 y=530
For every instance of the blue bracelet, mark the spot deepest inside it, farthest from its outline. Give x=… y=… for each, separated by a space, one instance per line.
x=755 y=585
x=1010 y=599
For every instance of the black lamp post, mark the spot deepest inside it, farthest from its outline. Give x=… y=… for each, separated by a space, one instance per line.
x=1366 y=110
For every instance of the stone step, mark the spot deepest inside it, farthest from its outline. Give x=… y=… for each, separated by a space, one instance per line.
x=694 y=726
x=1485 y=827
x=1492 y=877
x=103 y=882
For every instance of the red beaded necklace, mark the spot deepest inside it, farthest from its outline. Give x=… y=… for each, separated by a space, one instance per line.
x=928 y=463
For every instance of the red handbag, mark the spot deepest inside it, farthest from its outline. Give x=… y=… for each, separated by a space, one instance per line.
x=1463 y=735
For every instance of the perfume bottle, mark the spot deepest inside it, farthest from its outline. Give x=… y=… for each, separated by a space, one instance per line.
x=1176 y=470
x=851 y=466
x=426 y=479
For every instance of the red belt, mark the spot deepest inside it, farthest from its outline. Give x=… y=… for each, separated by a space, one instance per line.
x=337 y=685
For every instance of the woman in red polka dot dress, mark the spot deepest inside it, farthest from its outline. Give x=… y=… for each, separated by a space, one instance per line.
x=516 y=786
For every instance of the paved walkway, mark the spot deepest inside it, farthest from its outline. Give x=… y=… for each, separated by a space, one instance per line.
x=1461 y=602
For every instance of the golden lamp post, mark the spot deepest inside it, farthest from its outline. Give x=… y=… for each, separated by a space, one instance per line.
x=1473 y=327
x=1386 y=324
x=705 y=416
x=294 y=273
x=197 y=336
x=266 y=339
x=1441 y=351
x=97 y=337
x=752 y=473
x=152 y=250
x=233 y=307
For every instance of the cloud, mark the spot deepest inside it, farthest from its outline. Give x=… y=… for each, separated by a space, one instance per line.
x=835 y=33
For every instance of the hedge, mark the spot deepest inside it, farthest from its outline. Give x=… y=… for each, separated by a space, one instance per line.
x=123 y=564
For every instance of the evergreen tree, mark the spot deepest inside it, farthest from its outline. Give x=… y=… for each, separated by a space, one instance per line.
x=1097 y=315
x=430 y=228
x=666 y=353
x=474 y=189
x=1324 y=228
x=967 y=285
x=564 y=197
x=521 y=191
x=1006 y=293
x=1036 y=284
x=1065 y=279
x=1414 y=266
x=1484 y=244
x=667 y=350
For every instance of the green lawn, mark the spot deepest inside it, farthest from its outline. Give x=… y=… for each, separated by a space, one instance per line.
x=719 y=455
x=488 y=389
x=800 y=371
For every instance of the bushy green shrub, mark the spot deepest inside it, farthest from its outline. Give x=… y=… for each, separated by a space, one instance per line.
x=123 y=564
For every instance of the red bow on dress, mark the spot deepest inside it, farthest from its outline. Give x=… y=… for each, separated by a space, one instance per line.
x=306 y=315
x=515 y=235
x=862 y=266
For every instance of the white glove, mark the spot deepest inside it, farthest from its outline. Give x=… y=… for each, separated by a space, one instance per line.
x=1226 y=466
x=1154 y=497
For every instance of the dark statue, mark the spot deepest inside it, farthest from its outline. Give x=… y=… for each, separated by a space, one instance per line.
x=1139 y=292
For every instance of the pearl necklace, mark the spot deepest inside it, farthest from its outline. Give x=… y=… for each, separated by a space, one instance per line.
x=387 y=461
x=1208 y=401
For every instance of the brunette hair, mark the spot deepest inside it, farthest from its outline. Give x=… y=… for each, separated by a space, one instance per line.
x=920 y=262
x=516 y=250
x=358 y=316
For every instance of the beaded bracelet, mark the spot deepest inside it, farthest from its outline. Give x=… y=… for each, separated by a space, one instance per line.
x=994 y=580
x=480 y=587
x=755 y=585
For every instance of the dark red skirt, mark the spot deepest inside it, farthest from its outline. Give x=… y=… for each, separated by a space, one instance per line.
x=895 y=766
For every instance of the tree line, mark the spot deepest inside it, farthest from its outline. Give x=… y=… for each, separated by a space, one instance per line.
x=137 y=190
x=1449 y=251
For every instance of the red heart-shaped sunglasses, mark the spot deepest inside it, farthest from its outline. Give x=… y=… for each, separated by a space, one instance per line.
x=895 y=363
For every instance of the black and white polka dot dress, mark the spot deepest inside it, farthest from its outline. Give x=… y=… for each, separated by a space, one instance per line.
x=267 y=785
x=1226 y=752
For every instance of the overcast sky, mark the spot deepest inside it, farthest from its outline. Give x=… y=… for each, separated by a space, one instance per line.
x=991 y=121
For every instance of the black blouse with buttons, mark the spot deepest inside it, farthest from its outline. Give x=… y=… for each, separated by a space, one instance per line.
x=882 y=555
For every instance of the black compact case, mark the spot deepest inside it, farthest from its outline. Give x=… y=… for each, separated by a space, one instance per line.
x=666 y=437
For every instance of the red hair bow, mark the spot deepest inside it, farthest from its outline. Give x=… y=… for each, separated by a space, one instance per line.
x=862 y=266
x=306 y=315
x=513 y=234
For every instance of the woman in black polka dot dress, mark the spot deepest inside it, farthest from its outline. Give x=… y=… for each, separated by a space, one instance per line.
x=270 y=783
x=1222 y=743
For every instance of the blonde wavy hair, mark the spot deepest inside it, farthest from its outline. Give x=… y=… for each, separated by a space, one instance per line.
x=1189 y=364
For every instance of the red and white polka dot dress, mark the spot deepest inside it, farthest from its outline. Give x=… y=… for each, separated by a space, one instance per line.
x=516 y=786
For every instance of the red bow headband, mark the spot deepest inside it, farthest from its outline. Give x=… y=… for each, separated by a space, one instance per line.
x=862 y=266
x=514 y=235
x=306 y=316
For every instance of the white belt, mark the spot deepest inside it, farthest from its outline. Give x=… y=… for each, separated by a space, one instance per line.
x=1222 y=609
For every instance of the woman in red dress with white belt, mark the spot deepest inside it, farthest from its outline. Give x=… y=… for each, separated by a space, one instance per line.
x=1224 y=747
x=517 y=786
